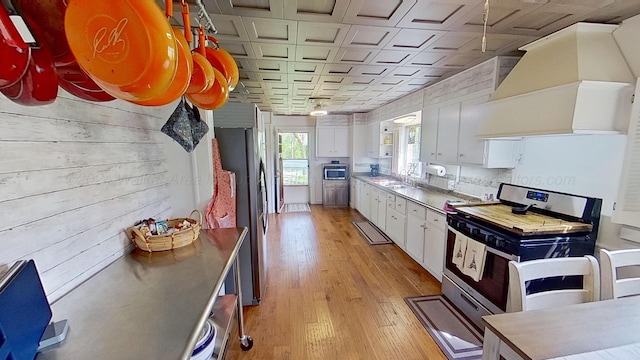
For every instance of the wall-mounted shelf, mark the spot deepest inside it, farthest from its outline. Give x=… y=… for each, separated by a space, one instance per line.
x=386 y=144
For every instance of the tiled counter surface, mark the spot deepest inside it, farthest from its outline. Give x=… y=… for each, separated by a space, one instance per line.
x=431 y=197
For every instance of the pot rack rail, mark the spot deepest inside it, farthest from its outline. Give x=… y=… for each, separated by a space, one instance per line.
x=201 y=16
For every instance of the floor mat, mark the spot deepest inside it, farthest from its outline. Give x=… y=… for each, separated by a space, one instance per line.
x=297 y=208
x=371 y=233
x=455 y=335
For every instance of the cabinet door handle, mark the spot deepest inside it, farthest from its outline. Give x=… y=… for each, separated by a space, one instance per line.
x=433 y=154
x=435 y=220
x=461 y=155
x=439 y=154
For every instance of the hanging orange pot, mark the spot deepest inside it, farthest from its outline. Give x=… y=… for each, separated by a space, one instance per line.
x=213 y=98
x=223 y=61
x=203 y=77
x=126 y=46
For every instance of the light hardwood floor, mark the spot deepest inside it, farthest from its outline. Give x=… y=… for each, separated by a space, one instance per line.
x=331 y=295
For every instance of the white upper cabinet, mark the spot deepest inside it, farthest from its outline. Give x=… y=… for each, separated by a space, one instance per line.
x=429 y=135
x=450 y=136
x=470 y=147
x=448 y=126
x=332 y=141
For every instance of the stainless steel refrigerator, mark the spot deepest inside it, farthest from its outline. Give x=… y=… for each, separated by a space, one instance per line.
x=240 y=153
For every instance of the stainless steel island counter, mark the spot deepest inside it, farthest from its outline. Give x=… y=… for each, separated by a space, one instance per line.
x=147 y=305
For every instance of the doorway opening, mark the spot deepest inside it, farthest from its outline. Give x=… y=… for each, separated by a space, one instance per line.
x=294 y=161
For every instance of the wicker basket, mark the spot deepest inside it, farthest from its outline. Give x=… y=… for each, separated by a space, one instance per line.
x=175 y=240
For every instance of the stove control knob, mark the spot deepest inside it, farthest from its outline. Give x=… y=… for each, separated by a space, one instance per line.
x=491 y=239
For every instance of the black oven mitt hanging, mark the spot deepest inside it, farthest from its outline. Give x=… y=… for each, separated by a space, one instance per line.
x=199 y=128
x=178 y=127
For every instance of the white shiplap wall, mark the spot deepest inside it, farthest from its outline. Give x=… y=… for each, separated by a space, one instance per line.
x=73 y=176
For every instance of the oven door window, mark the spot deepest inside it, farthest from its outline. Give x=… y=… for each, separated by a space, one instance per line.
x=495 y=279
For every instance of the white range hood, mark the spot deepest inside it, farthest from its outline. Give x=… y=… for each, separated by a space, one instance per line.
x=572 y=81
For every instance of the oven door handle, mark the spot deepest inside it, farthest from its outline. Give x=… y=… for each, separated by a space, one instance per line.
x=502 y=254
x=487 y=247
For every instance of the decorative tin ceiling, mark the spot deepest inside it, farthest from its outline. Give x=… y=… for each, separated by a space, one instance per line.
x=356 y=55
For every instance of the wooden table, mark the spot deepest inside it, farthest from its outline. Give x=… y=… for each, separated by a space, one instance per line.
x=607 y=328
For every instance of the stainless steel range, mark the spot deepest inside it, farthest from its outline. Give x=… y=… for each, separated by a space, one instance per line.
x=525 y=224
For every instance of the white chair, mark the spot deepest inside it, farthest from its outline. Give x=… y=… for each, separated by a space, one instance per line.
x=521 y=272
x=615 y=284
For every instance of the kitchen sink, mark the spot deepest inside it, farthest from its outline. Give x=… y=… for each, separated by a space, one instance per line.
x=395 y=185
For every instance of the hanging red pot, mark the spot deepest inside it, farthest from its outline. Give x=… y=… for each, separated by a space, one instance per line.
x=39 y=85
x=14 y=52
x=76 y=82
x=49 y=17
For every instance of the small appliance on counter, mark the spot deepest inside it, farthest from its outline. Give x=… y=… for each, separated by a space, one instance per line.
x=375 y=170
x=334 y=171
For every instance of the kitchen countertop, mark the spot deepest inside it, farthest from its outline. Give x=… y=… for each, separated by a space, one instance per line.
x=431 y=197
x=147 y=305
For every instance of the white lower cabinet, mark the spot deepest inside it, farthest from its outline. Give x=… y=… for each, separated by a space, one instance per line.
x=416 y=222
x=382 y=211
x=373 y=204
x=417 y=230
x=426 y=238
x=434 y=243
x=395 y=227
x=365 y=199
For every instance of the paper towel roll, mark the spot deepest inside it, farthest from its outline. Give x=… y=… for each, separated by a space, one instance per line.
x=436 y=170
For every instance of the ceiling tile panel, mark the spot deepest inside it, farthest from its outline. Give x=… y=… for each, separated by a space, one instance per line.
x=273 y=77
x=331 y=80
x=392 y=58
x=374 y=70
x=376 y=12
x=454 y=42
x=268 y=66
x=395 y=81
x=338 y=69
x=316 y=53
x=304 y=79
x=373 y=37
x=274 y=51
x=271 y=30
x=361 y=80
x=438 y=14
x=238 y=49
x=355 y=56
x=229 y=28
x=258 y=8
x=315 y=10
x=426 y=59
x=304 y=68
x=406 y=72
x=413 y=39
x=321 y=34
